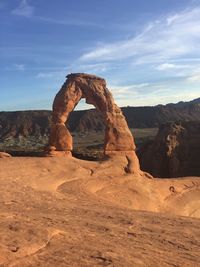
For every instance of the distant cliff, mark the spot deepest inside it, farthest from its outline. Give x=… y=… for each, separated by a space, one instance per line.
x=175 y=152
x=36 y=123
x=140 y=117
x=24 y=123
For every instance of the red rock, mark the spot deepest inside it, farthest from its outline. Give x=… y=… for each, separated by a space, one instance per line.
x=4 y=155
x=118 y=137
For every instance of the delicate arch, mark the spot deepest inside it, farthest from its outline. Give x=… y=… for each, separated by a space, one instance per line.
x=118 y=137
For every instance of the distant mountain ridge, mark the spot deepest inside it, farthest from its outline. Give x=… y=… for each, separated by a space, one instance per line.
x=144 y=117
x=183 y=103
x=36 y=123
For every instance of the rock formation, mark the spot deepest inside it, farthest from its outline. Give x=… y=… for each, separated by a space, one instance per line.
x=174 y=152
x=118 y=138
x=4 y=155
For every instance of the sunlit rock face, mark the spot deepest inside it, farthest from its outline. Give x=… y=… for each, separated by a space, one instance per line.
x=118 y=138
x=4 y=155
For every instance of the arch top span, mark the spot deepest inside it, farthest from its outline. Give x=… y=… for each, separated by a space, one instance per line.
x=118 y=138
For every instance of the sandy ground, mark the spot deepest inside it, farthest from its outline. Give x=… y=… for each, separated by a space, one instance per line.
x=68 y=212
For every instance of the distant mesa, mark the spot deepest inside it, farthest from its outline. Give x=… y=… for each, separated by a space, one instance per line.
x=118 y=138
x=35 y=123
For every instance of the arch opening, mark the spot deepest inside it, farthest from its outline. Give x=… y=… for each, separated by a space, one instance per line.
x=87 y=132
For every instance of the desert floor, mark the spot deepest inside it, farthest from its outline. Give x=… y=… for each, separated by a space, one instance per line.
x=70 y=212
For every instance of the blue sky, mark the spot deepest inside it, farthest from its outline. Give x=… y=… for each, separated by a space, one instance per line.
x=148 y=51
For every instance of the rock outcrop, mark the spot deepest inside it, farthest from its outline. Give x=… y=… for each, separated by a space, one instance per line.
x=75 y=213
x=118 y=138
x=4 y=155
x=175 y=151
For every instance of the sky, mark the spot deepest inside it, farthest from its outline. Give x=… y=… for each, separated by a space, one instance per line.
x=148 y=51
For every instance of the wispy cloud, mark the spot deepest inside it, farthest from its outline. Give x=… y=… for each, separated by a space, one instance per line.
x=170 y=66
x=122 y=90
x=194 y=77
x=152 y=94
x=68 y=21
x=165 y=39
x=19 y=67
x=24 y=9
x=160 y=60
x=51 y=74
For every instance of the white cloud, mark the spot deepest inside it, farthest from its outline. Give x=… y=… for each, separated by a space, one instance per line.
x=51 y=74
x=24 y=9
x=194 y=77
x=170 y=66
x=169 y=38
x=124 y=89
x=19 y=67
x=153 y=94
x=172 y=19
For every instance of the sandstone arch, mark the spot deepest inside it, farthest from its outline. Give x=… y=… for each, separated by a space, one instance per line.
x=118 y=138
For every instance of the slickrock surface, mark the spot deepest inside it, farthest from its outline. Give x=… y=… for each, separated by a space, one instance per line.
x=175 y=151
x=4 y=155
x=68 y=212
